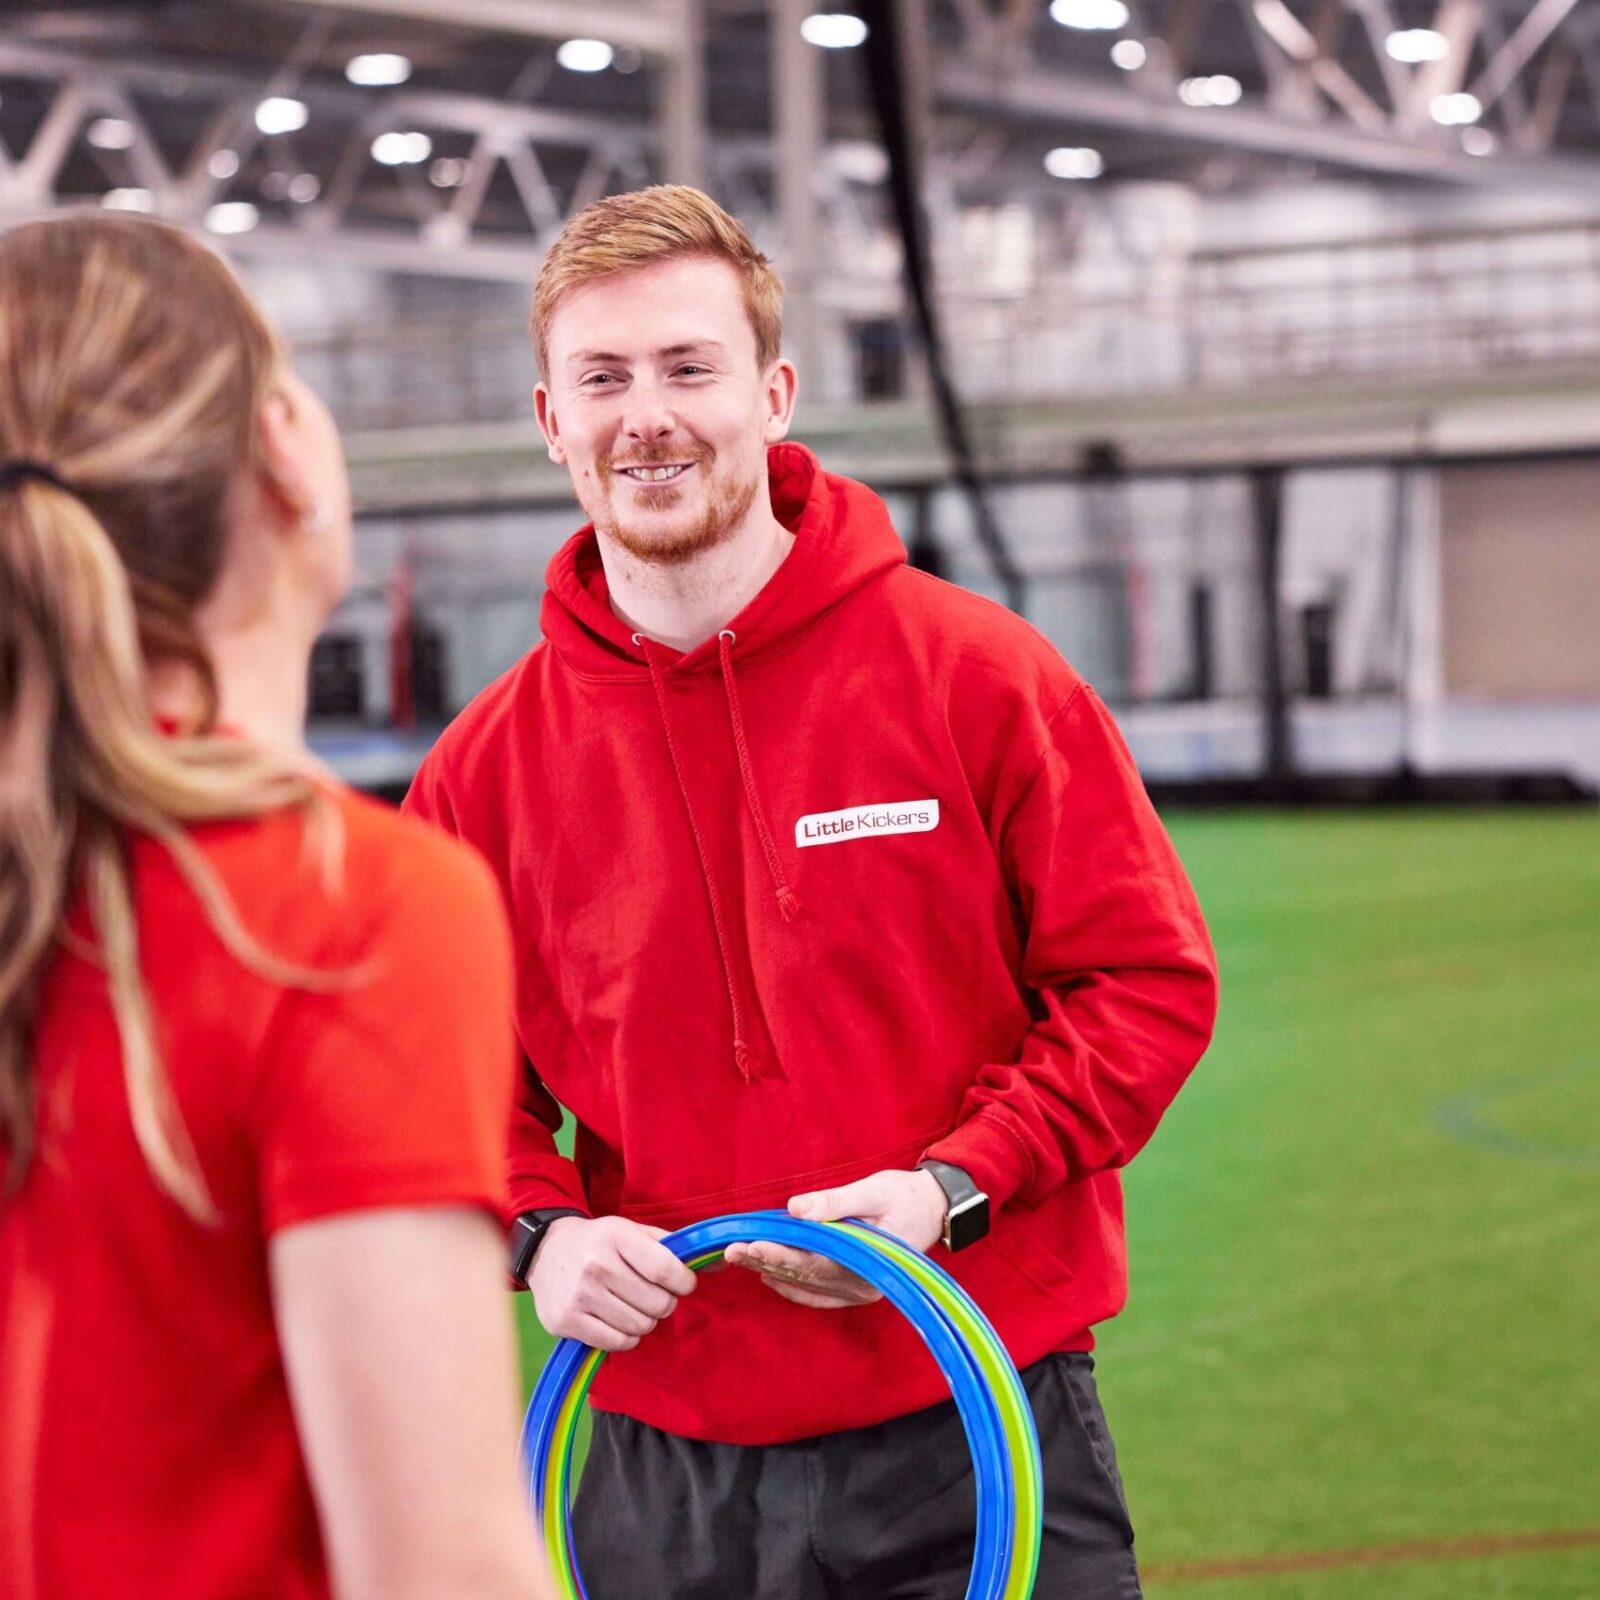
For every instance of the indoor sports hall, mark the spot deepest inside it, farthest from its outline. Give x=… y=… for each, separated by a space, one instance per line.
x=1249 y=350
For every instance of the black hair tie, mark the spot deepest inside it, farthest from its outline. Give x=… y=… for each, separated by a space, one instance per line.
x=18 y=471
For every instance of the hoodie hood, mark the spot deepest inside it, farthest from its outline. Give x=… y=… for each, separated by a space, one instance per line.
x=843 y=540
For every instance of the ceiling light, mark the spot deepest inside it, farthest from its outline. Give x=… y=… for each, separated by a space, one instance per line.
x=585 y=55
x=833 y=30
x=232 y=216
x=281 y=115
x=1456 y=110
x=379 y=71
x=1129 y=54
x=448 y=172
x=223 y=164
x=111 y=133
x=1478 y=142
x=1109 y=14
x=1074 y=162
x=1217 y=90
x=304 y=187
x=446 y=230
x=128 y=200
x=1412 y=45
x=858 y=161
x=401 y=149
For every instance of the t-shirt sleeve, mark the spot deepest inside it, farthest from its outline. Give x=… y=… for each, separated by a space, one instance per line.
x=395 y=1090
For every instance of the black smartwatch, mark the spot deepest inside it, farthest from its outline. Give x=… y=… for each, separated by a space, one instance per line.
x=527 y=1232
x=966 y=1217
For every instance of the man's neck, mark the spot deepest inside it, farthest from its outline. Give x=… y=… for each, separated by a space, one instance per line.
x=683 y=606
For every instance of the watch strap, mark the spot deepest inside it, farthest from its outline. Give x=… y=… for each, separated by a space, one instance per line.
x=966 y=1218
x=527 y=1233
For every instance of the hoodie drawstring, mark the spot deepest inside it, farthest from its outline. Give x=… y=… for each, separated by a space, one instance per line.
x=788 y=904
x=741 y=1052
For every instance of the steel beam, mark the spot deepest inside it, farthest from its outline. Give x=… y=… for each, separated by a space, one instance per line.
x=1518 y=50
x=1550 y=96
x=640 y=23
x=1458 y=21
x=425 y=108
x=33 y=176
x=1064 y=98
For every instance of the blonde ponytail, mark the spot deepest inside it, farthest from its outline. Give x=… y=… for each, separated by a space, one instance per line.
x=132 y=367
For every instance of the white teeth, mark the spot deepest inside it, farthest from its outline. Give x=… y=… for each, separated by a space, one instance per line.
x=653 y=474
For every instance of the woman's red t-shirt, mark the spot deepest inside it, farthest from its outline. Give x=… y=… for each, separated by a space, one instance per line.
x=147 y=1444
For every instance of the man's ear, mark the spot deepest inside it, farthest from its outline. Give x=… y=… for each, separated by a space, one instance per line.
x=782 y=386
x=544 y=409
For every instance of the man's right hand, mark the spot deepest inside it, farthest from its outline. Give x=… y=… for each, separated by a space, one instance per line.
x=606 y=1282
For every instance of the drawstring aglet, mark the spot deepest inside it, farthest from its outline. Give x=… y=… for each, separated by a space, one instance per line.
x=741 y=1059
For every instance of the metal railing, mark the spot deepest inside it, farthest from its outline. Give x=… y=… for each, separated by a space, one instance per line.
x=1420 y=304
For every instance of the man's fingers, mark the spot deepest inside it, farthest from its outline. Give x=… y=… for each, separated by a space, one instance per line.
x=654 y=1262
x=867 y=1197
x=646 y=1297
x=817 y=1302
x=617 y=1314
x=807 y=1271
x=601 y=1336
x=799 y=1265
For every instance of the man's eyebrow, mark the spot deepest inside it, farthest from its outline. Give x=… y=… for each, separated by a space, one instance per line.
x=580 y=358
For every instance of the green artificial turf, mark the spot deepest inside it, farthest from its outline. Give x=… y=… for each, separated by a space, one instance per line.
x=1366 y=1284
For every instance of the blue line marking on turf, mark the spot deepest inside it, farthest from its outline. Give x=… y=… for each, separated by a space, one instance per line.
x=1466 y=1116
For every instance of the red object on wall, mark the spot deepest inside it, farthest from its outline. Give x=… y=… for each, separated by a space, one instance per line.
x=402 y=689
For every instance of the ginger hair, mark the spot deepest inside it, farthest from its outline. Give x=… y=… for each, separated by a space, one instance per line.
x=662 y=223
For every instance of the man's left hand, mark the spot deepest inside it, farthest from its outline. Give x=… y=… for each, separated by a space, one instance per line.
x=910 y=1205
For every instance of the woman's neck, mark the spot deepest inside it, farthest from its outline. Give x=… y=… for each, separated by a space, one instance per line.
x=261 y=676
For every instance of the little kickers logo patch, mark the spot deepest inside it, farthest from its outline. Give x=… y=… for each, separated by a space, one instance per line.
x=867 y=822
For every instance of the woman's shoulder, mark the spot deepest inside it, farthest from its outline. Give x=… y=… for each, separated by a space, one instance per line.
x=336 y=874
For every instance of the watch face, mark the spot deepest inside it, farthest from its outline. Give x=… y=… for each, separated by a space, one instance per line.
x=968 y=1222
x=524 y=1236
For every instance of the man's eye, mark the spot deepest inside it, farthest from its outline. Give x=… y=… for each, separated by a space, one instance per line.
x=596 y=380
x=692 y=371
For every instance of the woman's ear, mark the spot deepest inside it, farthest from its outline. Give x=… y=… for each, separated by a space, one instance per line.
x=286 y=480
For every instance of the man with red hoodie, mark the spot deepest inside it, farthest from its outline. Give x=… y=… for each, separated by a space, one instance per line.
x=835 y=889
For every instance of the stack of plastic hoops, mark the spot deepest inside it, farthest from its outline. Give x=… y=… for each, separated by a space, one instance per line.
x=984 y=1383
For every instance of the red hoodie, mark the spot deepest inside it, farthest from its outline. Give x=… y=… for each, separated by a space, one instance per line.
x=869 y=877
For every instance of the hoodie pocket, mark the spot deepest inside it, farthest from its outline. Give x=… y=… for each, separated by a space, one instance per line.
x=1039 y=1242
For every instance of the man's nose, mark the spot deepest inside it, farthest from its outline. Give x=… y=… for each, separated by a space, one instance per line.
x=647 y=415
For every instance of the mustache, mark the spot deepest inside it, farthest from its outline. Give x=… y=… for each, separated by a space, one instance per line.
x=652 y=456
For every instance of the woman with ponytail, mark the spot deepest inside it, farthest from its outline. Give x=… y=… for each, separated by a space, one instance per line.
x=255 y=1068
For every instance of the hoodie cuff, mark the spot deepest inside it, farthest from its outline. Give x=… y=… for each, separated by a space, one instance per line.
x=551 y=1184
x=990 y=1153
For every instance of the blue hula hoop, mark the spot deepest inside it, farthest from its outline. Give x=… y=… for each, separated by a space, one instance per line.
x=983 y=1382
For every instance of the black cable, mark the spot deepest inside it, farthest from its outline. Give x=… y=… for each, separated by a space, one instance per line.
x=886 y=85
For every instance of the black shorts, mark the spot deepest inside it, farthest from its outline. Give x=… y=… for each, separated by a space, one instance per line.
x=880 y=1513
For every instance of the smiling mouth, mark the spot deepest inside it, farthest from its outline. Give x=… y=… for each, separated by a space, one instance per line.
x=655 y=474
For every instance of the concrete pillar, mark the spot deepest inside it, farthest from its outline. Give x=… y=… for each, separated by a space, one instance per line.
x=798 y=90
x=683 y=99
